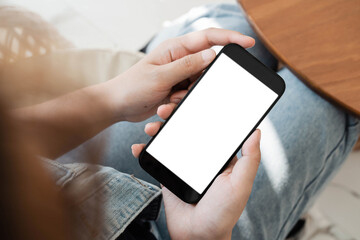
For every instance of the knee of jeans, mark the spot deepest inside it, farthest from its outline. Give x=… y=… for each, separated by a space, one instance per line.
x=318 y=111
x=354 y=122
x=307 y=115
x=221 y=15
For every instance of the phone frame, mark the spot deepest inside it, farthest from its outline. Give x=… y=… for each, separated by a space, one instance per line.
x=164 y=175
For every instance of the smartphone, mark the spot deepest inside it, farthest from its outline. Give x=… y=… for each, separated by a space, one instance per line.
x=211 y=123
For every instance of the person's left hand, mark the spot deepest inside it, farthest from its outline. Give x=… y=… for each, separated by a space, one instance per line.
x=215 y=215
x=136 y=94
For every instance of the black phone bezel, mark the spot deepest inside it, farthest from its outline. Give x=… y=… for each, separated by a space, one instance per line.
x=164 y=175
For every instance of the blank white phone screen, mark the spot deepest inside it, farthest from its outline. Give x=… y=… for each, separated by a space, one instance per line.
x=211 y=123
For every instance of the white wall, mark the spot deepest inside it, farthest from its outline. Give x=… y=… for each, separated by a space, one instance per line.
x=124 y=24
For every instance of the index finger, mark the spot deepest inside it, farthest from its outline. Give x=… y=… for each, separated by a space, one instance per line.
x=193 y=42
x=198 y=41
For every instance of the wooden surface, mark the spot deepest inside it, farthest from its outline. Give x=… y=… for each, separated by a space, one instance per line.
x=319 y=40
x=357 y=146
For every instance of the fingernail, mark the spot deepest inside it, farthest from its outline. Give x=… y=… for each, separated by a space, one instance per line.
x=250 y=39
x=176 y=100
x=207 y=55
x=259 y=134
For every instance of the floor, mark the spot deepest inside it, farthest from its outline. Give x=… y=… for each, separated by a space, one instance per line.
x=128 y=24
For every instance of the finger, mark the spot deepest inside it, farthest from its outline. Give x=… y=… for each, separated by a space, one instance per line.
x=152 y=128
x=195 y=77
x=252 y=145
x=244 y=171
x=193 y=80
x=136 y=149
x=231 y=165
x=233 y=162
x=191 y=85
x=182 y=85
x=179 y=47
x=178 y=96
x=164 y=111
x=187 y=66
x=197 y=41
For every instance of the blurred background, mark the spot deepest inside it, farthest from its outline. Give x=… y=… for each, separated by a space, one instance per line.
x=129 y=25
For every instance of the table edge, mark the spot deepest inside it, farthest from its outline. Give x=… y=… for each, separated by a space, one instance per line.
x=349 y=109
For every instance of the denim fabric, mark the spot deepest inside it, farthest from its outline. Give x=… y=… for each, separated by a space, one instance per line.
x=121 y=198
x=304 y=141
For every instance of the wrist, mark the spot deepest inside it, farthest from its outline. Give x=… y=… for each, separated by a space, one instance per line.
x=113 y=99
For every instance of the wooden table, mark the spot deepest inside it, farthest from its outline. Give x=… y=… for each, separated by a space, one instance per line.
x=319 y=40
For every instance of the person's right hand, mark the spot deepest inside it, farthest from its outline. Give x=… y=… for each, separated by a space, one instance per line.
x=215 y=215
x=136 y=94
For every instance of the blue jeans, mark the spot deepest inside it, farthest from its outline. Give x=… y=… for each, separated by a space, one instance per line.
x=305 y=139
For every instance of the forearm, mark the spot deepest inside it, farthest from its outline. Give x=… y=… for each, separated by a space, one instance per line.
x=60 y=125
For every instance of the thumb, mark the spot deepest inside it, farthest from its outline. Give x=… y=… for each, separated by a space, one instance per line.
x=188 y=66
x=245 y=169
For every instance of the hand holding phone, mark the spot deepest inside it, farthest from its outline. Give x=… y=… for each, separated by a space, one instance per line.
x=223 y=203
x=231 y=98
